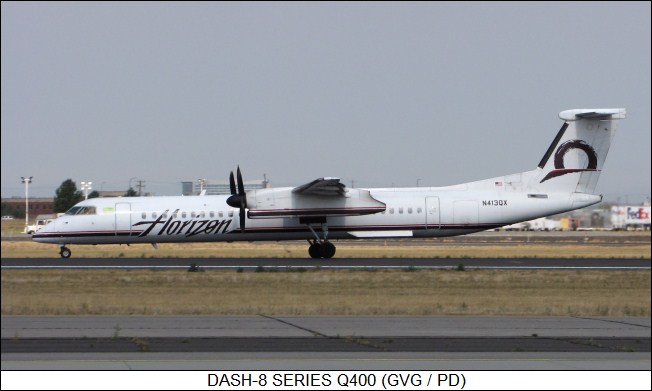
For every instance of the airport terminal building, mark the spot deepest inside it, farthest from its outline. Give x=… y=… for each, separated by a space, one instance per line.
x=214 y=187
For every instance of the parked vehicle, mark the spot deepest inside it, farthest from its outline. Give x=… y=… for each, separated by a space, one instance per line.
x=41 y=221
x=630 y=218
x=569 y=224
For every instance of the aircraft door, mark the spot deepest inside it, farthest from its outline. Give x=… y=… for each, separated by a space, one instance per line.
x=123 y=219
x=432 y=212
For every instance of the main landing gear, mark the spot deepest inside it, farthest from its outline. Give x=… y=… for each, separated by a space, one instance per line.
x=321 y=250
x=65 y=252
x=320 y=247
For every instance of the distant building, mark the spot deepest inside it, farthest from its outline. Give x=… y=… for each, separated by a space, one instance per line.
x=37 y=206
x=111 y=193
x=187 y=188
x=214 y=187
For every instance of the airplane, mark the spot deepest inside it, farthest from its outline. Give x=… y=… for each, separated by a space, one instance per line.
x=325 y=209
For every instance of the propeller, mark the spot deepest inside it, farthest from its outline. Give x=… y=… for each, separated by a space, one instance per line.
x=238 y=199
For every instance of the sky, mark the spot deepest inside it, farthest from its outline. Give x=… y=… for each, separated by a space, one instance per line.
x=378 y=94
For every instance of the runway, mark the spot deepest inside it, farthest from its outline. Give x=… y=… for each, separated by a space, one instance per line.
x=294 y=342
x=323 y=342
x=335 y=263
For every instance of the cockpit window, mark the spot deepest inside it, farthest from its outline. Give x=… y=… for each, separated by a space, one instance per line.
x=88 y=210
x=81 y=210
x=73 y=211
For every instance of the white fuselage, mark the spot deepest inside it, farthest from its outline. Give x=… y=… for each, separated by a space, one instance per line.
x=325 y=209
x=409 y=212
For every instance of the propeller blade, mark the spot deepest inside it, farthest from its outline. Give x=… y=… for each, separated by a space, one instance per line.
x=242 y=218
x=241 y=190
x=238 y=197
x=232 y=183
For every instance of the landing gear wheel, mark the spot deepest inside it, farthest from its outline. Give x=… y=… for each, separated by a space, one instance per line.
x=327 y=250
x=65 y=252
x=315 y=250
x=321 y=250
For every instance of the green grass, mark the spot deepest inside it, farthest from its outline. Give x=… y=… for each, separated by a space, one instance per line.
x=13 y=227
x=317 y=291
x=326 y=292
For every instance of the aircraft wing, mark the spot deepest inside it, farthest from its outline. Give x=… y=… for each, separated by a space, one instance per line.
x=320 y=198
x=321 y=187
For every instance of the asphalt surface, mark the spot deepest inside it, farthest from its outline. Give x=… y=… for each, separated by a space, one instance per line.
x=201 y=342
x=336 y=343
x=335 y=263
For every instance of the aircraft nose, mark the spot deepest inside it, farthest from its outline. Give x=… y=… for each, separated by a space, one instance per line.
x=50 y=227
x=44 y=235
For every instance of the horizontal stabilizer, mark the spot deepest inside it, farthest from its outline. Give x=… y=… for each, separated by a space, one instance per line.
x=572 y=115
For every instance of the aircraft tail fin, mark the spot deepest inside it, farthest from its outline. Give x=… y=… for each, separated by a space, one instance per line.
x=575 y=158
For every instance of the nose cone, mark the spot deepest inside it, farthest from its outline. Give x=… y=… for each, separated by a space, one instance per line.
x=45 y=234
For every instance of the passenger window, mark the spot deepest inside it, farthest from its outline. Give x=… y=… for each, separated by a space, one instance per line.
x=202 y=214
x=192 y=214
x=230 y=213
x=143 y=215
x=174 y=215
x=153 y=215
x=410 y=210
x=419 y=210
x=391 y=211
x=400 y=210
x=221 y=214
x=212 y=214
x=164 y=215
x=183 y=215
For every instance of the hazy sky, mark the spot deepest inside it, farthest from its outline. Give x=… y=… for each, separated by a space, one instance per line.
x=377 y=93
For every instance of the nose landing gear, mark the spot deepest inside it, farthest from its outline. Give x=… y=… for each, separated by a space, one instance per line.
x=65 y=252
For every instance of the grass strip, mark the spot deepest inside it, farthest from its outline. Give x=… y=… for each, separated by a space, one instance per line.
x=345 y=249
x=326 y=292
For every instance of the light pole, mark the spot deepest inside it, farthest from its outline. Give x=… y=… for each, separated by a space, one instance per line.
x=418 y=182
x=86 y=186
x=26 y=181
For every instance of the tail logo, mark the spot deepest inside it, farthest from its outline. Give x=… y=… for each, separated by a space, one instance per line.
x=560 y=169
